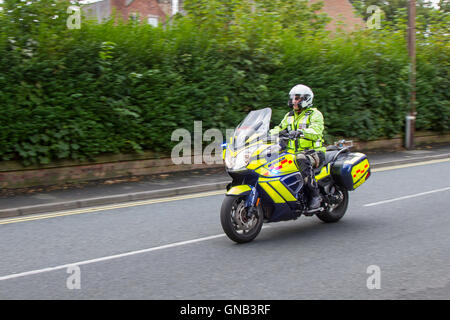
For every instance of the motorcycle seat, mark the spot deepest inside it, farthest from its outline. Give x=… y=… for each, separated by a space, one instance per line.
x=328 y=157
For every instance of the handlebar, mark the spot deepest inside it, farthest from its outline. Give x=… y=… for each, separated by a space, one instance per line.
x=284 y=136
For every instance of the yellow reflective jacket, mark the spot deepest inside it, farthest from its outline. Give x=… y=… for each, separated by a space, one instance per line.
x=310 y=121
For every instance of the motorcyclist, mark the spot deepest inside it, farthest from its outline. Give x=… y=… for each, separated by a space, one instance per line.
x=306 y=127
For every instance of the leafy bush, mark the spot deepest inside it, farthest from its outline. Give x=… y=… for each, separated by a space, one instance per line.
x=121 y=88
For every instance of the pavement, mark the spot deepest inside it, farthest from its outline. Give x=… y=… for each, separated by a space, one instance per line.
x=110 y=191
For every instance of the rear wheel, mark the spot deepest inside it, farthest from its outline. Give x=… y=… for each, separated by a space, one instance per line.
x=335 y=212
x=236 y=223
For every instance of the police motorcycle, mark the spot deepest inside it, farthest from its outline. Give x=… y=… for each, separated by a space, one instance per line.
x=268 y=187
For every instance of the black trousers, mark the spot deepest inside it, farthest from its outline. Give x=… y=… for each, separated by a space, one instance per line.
x=306 y=162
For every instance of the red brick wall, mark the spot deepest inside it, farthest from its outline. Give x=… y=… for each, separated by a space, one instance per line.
x=341 y=10
x=143 y=7
x=166 y=6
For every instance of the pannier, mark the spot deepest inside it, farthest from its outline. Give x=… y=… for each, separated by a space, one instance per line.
x=350 y=170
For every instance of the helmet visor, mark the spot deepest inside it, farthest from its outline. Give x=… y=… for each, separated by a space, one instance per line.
x=298 y=97
x=293 y=98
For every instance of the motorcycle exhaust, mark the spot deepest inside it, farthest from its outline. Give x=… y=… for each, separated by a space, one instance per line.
x=312 y=211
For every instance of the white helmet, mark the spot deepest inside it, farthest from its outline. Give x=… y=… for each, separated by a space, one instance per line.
x=303 y=93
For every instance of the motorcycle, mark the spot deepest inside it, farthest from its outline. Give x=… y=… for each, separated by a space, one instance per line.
x=267 y=185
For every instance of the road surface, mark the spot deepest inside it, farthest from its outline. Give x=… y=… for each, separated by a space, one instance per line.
x=393 y=243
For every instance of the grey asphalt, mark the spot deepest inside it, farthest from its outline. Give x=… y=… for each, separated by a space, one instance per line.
x=170 y=184
x=304 y=259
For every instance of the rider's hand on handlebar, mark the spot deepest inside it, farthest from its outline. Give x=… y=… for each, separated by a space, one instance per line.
x=284 y=134
x=295 y=134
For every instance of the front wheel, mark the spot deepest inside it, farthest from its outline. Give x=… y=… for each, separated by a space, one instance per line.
x=335 y=212
x=237 y=224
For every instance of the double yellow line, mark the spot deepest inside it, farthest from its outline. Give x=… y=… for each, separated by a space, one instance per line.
x=410 y=165
x=169 y=199
x=110 y=207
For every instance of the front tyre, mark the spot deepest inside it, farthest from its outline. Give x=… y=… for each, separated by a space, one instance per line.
x=236 y=223
x=335 y=212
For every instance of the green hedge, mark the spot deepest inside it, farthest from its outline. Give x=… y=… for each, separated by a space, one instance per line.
x=74 y=94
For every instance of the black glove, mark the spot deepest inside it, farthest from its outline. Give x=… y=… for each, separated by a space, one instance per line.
x=284 y=133
x=295 y=134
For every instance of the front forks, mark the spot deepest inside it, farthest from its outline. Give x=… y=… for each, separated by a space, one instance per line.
x=250 y=204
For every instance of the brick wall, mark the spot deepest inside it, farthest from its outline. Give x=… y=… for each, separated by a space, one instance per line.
x=341 y=10
x=338 y=10
x=166 y=6
x=143 y=7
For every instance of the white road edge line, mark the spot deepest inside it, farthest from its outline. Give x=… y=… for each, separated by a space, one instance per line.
x=116 y=256
x=409 y=159
x=406 y=197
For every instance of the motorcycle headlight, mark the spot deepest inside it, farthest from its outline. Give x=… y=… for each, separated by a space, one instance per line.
x=229 y=160
x=241 y=160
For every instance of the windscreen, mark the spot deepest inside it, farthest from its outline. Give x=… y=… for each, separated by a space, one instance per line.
x=254 y=126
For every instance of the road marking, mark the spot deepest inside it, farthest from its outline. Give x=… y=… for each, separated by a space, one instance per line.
x=169 y=199
x=110 y=207
x=117 y=256
x=409 y=165
x=442 y=155
x=112 y=257
x=406 y=197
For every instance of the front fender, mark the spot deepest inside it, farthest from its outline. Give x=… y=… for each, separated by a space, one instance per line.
x=243 y=189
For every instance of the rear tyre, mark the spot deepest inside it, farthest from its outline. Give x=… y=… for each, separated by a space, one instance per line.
x=334 y=213
x=236 y=224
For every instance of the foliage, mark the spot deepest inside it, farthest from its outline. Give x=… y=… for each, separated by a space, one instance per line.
x=120 y=88
x=394 y=11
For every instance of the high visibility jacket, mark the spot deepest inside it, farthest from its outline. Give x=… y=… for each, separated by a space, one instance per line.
x=310 y=121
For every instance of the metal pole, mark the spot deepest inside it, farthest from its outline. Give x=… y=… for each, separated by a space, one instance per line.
x=411 y=117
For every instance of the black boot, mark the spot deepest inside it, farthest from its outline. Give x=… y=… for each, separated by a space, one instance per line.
x=314 y=194
x=307 y=171
x=316 y=199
